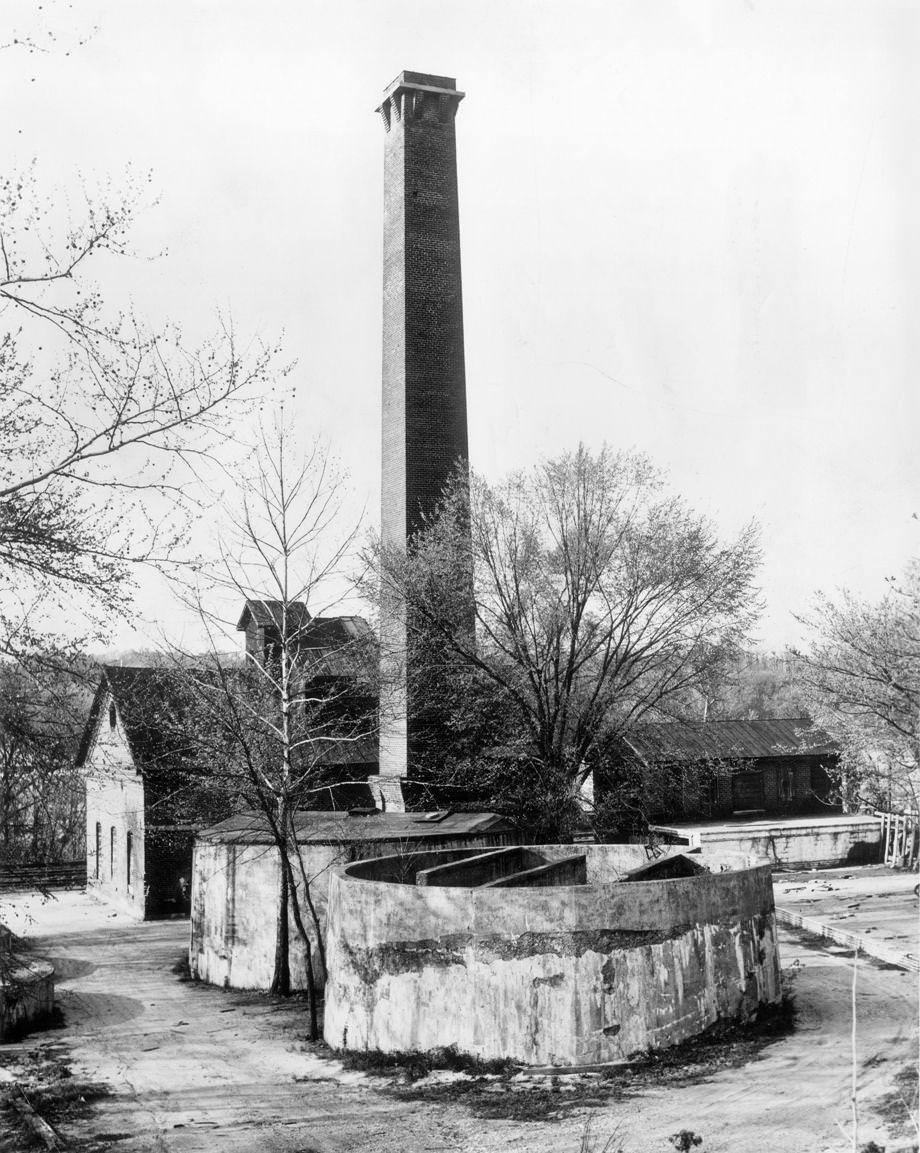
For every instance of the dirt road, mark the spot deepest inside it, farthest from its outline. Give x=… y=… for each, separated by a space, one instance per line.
x=195 y=1068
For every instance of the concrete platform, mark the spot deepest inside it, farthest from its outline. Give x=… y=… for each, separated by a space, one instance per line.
x=874 y=907
x=812 y=842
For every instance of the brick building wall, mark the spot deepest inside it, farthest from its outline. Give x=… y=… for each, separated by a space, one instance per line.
x=424 y=385
x=790 y=785
x=424 y=382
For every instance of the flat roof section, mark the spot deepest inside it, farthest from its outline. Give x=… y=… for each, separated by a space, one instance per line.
x=324 y=827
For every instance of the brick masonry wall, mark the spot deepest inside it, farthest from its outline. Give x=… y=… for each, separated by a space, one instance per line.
x=771 y=797
x=424 y=384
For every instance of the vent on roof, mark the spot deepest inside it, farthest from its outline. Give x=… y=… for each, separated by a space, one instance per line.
x=431 y=818
x=370 y=811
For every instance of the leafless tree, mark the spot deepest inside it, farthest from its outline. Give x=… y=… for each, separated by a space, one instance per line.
x=862 y=674
x=302 y=702
x=105 y=421
x=598 y=598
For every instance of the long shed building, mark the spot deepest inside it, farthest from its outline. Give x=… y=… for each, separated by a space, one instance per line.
x=732 y=768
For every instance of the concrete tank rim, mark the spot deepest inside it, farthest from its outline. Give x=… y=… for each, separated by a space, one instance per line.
x=26 y=971
x=742 y=864
x=416 y=967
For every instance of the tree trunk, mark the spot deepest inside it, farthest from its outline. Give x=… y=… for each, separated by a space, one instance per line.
x=308 y=949
x=311 y=907
x=281 y=979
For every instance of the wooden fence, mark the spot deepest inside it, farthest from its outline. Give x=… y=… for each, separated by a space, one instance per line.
x=900 y=839
x=64 y=875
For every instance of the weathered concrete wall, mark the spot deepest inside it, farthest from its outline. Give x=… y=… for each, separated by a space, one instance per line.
x=571 y=975
x=114 y=801
x=26 y=990
x=567 y=871
x=480 y=869
x=235 y=892
x=795 y=843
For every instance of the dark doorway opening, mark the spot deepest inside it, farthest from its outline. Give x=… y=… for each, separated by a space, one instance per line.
x=747 y=792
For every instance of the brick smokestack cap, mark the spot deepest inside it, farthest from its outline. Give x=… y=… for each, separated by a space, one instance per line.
x=422 y=82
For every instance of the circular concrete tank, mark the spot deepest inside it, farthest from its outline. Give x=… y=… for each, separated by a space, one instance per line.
x=521 y=966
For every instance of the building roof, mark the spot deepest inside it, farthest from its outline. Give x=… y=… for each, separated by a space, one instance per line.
x=707 y=740
x=150 y=702
x=266 y=612
x=156 y=709
x=339 y=647
x=326 y=646
x=313 y=632
x=314 y=827
x=323 y=631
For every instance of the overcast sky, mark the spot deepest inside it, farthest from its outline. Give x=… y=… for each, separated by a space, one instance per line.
x=689 y=228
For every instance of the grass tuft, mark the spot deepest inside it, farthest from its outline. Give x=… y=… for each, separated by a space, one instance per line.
x=414 y=1066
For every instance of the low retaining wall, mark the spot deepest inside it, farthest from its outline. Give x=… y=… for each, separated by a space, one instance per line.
x=26 y=990
x=822 y=843
x=569 y=975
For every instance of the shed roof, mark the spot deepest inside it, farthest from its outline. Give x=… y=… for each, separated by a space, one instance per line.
x=316 y=827
x=704 y=740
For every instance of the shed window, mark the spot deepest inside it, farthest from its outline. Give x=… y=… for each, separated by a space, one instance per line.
x=96 y=863
x=129 y=845
x=112 y=852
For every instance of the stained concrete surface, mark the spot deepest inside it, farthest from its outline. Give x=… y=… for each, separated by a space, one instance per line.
x=196 y=1069
x=571 y=975
x=873 y=901
x=789 y=842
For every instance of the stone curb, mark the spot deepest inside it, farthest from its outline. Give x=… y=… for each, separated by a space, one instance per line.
x=867 y=945
x=37 y=1126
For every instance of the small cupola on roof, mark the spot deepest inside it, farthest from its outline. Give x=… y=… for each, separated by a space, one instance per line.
x=265 y=621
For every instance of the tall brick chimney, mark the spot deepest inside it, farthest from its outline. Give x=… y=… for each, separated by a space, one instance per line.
x=424 y=381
